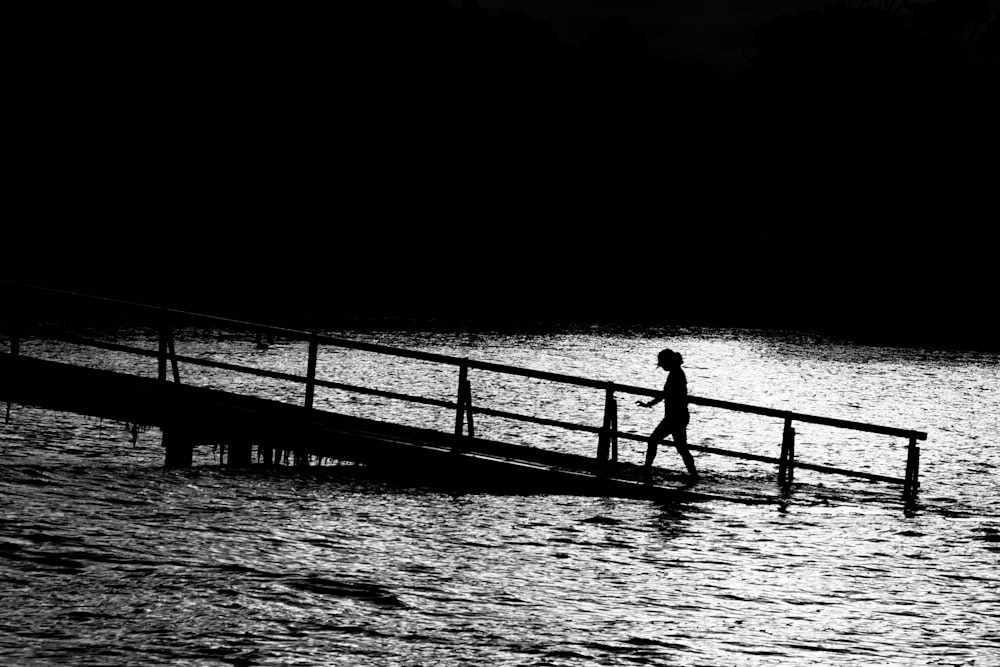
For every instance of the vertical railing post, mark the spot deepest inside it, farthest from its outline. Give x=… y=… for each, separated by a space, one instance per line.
x=15 y=332
x=173 y=355
x=791 y=451
x=786 y=462
x=463 y=377
x=607 y=435
x=167 y=348
x=912 y=480
x=614 y=429
x=783 y=456
x=16 y=315
x=468 y=408
x=464 y=404
x=162 y=354
x=311 y=371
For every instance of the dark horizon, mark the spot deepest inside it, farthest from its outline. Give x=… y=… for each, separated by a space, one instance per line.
x=416 y=159
x=717 y=34
x=898 y=286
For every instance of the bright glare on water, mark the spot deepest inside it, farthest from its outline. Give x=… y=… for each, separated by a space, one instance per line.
x=107 y=558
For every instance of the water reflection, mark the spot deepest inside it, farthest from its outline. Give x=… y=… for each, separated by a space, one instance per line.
x=108 y=559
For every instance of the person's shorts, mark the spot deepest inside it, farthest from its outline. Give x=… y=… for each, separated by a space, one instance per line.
x=670 y=427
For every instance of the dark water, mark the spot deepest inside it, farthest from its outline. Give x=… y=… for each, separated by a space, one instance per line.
x=106 y=558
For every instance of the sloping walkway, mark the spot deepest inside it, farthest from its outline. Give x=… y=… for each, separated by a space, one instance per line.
x=198 y=416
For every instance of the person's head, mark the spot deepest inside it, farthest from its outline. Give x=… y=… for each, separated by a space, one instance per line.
x=667 y=359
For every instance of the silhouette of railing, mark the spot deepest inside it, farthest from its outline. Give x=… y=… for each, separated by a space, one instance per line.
x=608 y=433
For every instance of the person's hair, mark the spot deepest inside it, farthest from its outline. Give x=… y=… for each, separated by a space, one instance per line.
x=667 y=355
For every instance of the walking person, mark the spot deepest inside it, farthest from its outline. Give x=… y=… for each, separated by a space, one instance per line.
x=676 y=415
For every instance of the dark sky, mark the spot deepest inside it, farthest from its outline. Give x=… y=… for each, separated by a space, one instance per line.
x=714 y=32
x=314 y=163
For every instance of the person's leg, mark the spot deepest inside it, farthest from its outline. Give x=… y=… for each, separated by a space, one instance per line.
x=680 y=444
x=652 y=445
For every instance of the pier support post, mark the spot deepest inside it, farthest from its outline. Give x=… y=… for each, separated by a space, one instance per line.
x=912 y=480
x=786 y=462
x=240 y=455
x=179 y=449
x=265 y=455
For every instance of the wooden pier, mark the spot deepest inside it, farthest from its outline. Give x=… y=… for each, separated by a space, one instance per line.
x=191 y=416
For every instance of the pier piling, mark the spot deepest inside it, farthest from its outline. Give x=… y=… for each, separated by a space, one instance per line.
x=240 y=455
x=179 y=449
x=911 y=482
x=265 y=455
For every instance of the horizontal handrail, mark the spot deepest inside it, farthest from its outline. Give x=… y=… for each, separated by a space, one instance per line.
x=795 y=416
x=436 y=358
x=489 y=411
x=249 y=370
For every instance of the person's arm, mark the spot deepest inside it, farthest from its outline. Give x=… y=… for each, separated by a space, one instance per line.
x=650 y=403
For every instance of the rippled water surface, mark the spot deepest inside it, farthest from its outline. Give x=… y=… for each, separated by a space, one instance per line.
x=107 y=558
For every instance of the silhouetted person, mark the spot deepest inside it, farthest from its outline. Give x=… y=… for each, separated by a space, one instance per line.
x=675 y=408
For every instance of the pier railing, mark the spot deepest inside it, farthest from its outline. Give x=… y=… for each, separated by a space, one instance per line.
x=608 y=435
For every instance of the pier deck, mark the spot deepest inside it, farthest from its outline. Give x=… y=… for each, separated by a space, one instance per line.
x=191 y=416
